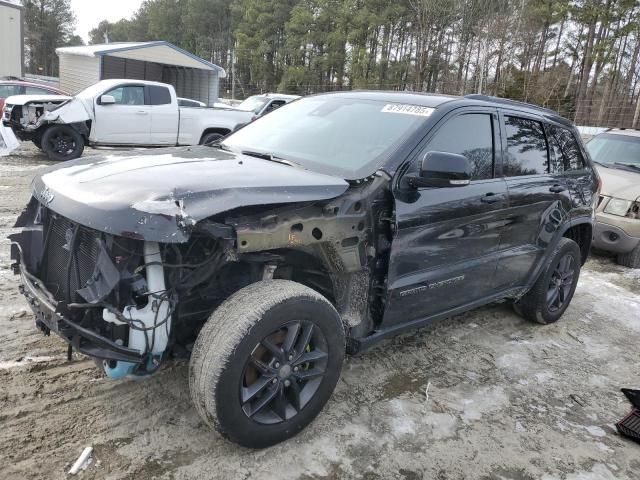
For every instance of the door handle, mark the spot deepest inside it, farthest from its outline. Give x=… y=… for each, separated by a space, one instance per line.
x=142 y=112
x=493 y=198
x=557 y=189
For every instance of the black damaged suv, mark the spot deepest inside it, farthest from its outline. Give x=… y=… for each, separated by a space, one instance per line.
x=330 y=224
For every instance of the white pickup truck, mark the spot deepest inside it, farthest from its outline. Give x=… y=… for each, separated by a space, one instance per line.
x=116 y=113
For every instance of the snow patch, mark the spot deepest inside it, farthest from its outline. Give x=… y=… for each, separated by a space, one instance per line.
x=24 y=361
x=598 y=472
x=596 y=431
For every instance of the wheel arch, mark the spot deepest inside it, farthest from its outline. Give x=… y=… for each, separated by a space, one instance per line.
x=580 y=232
x=220 y=130
x=580 y=228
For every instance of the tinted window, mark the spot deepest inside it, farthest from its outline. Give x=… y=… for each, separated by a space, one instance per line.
x=8 y=90
x=159 y=95
x=127 y=95
x=38 y=91
x=572 y=156
x=526 y=148
x=470 y=135
x=556 y=158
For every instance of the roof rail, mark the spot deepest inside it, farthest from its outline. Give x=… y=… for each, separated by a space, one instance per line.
x=506 y=101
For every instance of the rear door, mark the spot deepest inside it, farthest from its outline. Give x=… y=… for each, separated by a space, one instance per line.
x=164 y=116
x=539 y=200
x=444 y=254
x=128 y=121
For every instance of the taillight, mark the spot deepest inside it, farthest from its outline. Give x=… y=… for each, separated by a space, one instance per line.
x=254 y=118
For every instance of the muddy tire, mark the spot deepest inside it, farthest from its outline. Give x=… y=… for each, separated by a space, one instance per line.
x=62 y=143
x=552 y=293
x=631 y=259
x=210 y=138
x=266 y=362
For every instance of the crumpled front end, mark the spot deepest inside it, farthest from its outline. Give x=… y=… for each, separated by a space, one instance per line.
x=26 y=114
x=104 y=295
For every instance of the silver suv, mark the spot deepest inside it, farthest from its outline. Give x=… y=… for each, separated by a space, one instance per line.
x=616 y=153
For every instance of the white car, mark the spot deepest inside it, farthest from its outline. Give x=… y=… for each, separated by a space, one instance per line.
x=116 y=113
x=260 y=105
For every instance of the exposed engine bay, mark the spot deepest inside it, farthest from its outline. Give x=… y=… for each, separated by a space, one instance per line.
x=26 y=117
x=130 y=302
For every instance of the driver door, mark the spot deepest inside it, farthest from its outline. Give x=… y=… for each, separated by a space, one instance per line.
x=126 y=122
x=445 y=251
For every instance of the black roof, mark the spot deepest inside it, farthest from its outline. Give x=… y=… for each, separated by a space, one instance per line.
x=434 y=100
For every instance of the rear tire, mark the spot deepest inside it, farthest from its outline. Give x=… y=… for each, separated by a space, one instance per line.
x=62 y=143
x=552 y=293
x=266 y=362
x=631 y=259
x=210 y=138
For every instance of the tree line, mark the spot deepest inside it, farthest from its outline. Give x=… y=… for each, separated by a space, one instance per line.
x=579 y=57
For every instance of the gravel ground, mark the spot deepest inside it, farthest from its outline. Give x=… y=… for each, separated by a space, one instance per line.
x=485 y=395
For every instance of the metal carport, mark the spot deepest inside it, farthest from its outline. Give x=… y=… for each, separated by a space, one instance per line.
x=159 y=61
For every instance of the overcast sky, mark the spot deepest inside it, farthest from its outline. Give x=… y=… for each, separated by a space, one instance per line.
x=91 y=12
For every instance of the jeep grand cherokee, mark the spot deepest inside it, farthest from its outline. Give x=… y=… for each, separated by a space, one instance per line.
x=332 y=223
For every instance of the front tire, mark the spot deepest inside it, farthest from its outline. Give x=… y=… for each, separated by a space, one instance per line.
x=266 y=362
x=630 y=259
x=551 y=295
x=62 y=143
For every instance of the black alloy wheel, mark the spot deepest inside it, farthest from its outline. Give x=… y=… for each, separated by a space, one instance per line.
x=561 y=283
x=551 y=294
x=62 y=142
x=266 y=362
x=283 y=373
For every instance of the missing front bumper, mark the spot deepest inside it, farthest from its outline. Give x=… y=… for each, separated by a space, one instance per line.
x=50 y=317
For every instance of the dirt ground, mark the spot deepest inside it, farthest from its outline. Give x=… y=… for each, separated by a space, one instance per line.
x=485 y=395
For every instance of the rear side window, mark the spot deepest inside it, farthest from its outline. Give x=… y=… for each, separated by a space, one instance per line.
x=556 y=157
x=8 y=90
x=159 y=95
x=470 y=135
x=526 y=148
x=571 y=154
x=38 y=91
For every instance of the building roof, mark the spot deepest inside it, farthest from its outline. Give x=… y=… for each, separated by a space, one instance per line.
x=157 y=52
x=11 y=3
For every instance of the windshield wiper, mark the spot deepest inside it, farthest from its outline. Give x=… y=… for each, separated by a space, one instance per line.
x=628 y=165
x=267 y=156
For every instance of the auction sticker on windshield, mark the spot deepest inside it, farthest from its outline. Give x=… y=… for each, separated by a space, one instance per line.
x=407 y=109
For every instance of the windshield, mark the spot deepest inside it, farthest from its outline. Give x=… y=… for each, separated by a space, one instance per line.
x=253 y=104
x=346 y=137
x=609 y=149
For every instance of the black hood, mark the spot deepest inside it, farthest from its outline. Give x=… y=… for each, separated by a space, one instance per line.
x=158 y=195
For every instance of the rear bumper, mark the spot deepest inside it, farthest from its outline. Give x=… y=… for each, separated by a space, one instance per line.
x=50 y=318
x=613 y=239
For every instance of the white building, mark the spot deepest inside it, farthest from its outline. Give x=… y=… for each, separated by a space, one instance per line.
x=160 y=61
x=11 y=39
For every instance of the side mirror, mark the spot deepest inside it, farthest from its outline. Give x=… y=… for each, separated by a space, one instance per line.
x=442 y=169
x=107 y=100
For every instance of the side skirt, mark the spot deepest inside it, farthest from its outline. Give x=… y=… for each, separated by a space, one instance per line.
x=361 y=344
